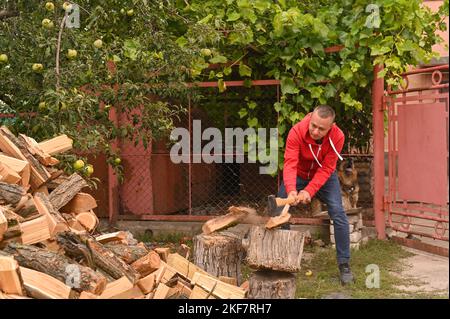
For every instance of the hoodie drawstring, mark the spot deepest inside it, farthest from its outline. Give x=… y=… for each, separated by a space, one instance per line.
x=334 y=149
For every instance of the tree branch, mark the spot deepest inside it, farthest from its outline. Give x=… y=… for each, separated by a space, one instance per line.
x=58 y=47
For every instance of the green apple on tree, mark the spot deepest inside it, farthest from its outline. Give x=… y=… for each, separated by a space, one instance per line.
x=50 y=6
x=37 y=67
x=42 y=106
x=67 y=6
x=79 y=164
x=98 y=43
x=130 y=12
x=3 y=58
x=71 y=53
x=89 y=169
x=206 y=52
x=47 y=23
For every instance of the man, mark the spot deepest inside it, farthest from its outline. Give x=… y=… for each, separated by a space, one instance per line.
x=312 y=150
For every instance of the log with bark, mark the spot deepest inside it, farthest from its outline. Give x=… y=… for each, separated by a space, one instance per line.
x=274 y=249
x=56 y=222
x=129 y=254
x=269 y=284
x=86 y=247
x=57 y=266
x=220 y=254
x=11 y=194
x=61 y=195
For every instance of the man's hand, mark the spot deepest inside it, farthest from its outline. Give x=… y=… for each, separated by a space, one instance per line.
x=294 y=194
x=304 y=197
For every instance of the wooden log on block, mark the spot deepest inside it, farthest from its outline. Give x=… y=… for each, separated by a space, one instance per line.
x=183 y=266
x=128 y=254
x=21 y=167
x=147 y=264
x=121 y=288
x=35 y=231
x=219 y=254
x=272 y=285
x=80 y=203
x=79 y=245
x=218 y=288
x=60 y=196
x=235 y=215
x=11 y=194
x=56 y=145
x=274 y=249
x=147 y=284
x=8 y=175
x=42 y=286
x=56 y=222
x=283 y=218
x=39 y=175
x=58 y=266
x=34 y=148
x=163 y=252
x=199 y=293
x=88 y=220
x=10 y=278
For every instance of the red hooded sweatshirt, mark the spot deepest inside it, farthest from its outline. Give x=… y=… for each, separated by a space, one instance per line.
x=305 y=158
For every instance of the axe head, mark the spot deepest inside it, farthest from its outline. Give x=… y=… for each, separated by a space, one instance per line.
x=272 y=207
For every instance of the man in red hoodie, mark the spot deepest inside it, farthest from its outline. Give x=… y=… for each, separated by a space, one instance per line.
x=312 y=150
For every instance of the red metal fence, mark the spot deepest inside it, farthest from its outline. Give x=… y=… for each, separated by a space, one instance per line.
x=418 y=180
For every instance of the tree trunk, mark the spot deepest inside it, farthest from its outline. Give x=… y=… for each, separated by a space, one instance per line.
x=128 y=254
x=274 y=249
x=59 y=267
x=96 y=254
x=269 y=284
x=219 y=254
x=62 y=194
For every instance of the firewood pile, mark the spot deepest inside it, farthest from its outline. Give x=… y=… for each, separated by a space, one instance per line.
x=50 y=247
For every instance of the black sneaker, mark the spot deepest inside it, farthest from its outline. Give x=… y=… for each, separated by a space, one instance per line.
x=345 y=275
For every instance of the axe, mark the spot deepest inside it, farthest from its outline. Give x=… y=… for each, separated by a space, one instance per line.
x=277 y=204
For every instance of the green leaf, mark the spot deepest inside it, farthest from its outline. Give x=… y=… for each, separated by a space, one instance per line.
x=206 y=19
x=252 y=122
x=244 y=70
x=130 y=47
x=288 y=86
x=277 y=106
x=218 y=59
x=181 y=41
x=346 y=73
x=233 y=16
x=242 y=112
x=221 y=85
x=261 y=40
x=251 y=105
x=227 y=70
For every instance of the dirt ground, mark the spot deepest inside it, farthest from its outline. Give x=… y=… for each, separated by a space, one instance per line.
x=431 y=270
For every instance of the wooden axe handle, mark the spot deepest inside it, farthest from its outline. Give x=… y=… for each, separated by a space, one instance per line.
x=284 y=201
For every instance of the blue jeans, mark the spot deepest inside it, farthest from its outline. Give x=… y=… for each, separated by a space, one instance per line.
x=330 y=194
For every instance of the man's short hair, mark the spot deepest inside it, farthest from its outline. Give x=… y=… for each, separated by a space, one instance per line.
x=325 y=111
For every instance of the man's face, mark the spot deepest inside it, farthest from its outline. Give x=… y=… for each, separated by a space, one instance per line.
x=319 y=127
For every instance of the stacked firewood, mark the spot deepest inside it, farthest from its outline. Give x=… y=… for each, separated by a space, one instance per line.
x=50 y=247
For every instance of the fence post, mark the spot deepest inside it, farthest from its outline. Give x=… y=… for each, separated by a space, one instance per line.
x=378 y=151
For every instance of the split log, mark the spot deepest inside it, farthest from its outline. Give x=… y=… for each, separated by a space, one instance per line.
x=235 y=215
x=58 y=266
x=39 y=175
x=74 y=225
x=229 y=280
x=12 y=296
x=80 y=203
x=42 y=189
x=183 y=266
x=10 y=278
x=272 y=285
x=88 y=220
x=121 y=288
x=147 y=264
x=11 y=194
x=218 y=288
x=67 y=190
x=161 y=291
x=219 y=254
x=119 y=236
x=8 y=175
x=128 y=254
x=42 y=286
x=147 y=284
x=27 y=207
x=163 y=252
x=283 y=218
x=200 y=293
x=3 y=223
x=34 y=148
x=84 y=246
x=56 y=145
x=35 y=231
x=274 y=249
x=21 y=167
x=56 y=222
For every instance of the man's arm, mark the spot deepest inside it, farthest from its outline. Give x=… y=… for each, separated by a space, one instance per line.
x=291 y=159
x=323 y=173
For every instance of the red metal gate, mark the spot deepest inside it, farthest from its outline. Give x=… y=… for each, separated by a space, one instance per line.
x=418 y=149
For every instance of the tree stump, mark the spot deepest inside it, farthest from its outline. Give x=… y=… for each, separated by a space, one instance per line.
x=279 y=250
x=267 y=284
x=219 y=254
